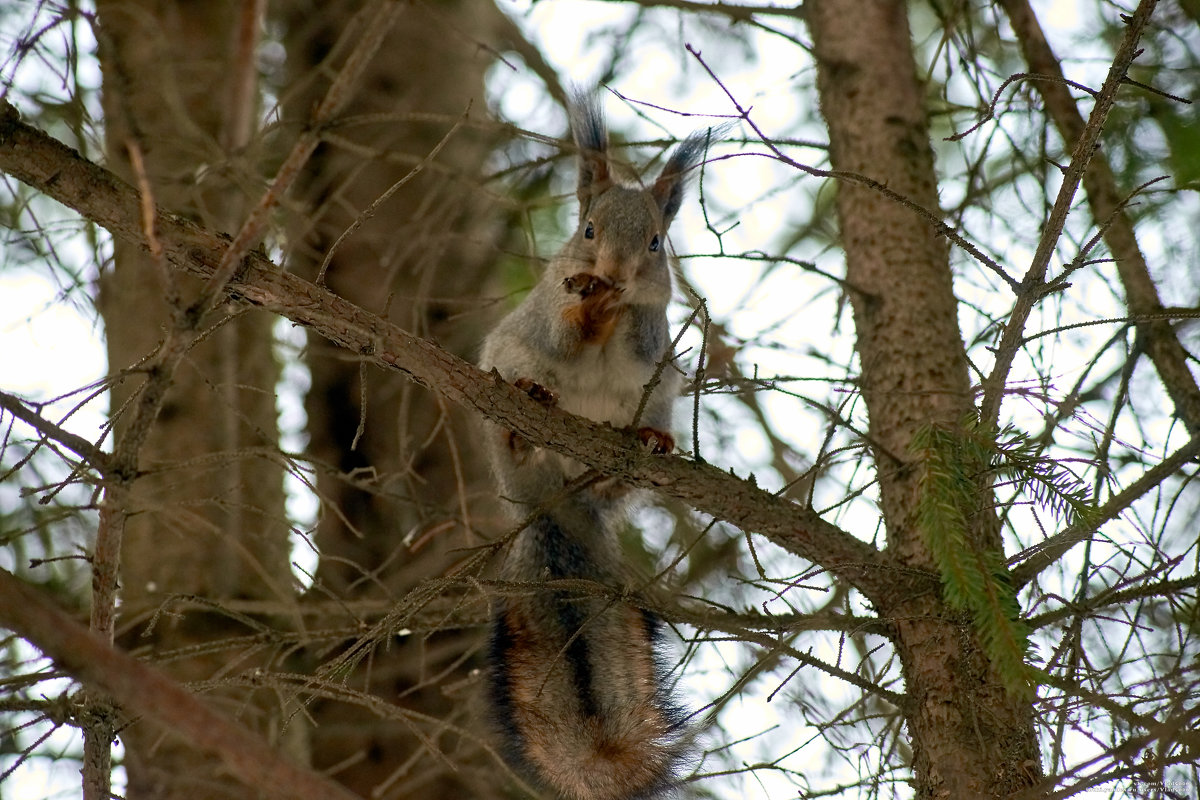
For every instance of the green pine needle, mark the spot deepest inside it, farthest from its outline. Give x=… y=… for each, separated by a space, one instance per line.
x=959 y=464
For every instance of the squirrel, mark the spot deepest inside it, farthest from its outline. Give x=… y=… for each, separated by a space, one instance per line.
x=575 y=681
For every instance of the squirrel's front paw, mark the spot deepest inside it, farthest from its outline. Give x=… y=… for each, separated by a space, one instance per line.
x=595 y=315
x=518 y=447
x=585 y=284
x=658 y=441
x=543 y=395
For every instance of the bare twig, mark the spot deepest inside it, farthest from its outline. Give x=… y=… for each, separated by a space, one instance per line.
x=1081 y=156
x=371 y=36
x=1031 y=561
x=1116 y=597
x=243 y=83
x=930 y=217
x=1158 y=337
x=370 y=210
x=1011 y=79
x=28 y=414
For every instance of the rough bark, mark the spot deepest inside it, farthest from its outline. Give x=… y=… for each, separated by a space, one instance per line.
x=970 y=737
x=205 y=515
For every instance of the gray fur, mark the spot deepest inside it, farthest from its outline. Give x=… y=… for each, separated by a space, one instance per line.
x=593 y=331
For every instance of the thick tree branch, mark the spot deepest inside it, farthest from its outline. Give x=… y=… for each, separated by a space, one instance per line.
x=61 y=173
x=148 y=692
x=1116 y=597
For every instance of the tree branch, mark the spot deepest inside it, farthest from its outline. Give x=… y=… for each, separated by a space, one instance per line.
x=1158 y=337
x=738 y=12
x=1084 y=151
x=1029 y=563
x=1115 y=597
x=93 y=455
x=61 y=173
x=382 y=14
x=148 y=692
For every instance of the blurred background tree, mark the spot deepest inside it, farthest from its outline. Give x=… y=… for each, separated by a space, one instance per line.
x=1000 y=432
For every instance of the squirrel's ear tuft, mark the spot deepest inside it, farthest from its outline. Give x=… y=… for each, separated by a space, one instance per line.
x=591 y=137
x=668 y=189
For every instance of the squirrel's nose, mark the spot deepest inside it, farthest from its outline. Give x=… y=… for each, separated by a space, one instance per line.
x=612 y=268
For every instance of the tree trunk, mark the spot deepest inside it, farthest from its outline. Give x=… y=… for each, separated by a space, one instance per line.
x=971 y=737
x=399 y=495
x=206 y=517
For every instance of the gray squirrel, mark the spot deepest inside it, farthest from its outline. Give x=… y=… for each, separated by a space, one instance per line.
x=575 y=680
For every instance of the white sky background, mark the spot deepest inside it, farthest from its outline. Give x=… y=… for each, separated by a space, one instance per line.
x=50 y=347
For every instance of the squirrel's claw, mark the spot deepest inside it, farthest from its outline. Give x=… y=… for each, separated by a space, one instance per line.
x=659 y=442
x=586 y=284
x=543 y=395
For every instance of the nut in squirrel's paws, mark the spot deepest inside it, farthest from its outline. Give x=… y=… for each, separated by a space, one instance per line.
x=595 y=315
x=660 y=443
x=543 y=395
x=585 y=284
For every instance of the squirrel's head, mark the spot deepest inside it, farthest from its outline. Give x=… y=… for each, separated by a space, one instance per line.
x=622 y=232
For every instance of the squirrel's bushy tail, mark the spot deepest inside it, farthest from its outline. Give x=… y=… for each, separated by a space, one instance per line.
x=576 y=683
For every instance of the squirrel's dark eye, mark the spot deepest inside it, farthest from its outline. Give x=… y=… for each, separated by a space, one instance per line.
x=589 y=232
x=654 y=244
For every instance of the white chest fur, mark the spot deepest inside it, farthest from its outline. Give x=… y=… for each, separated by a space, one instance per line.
x=604 y=383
